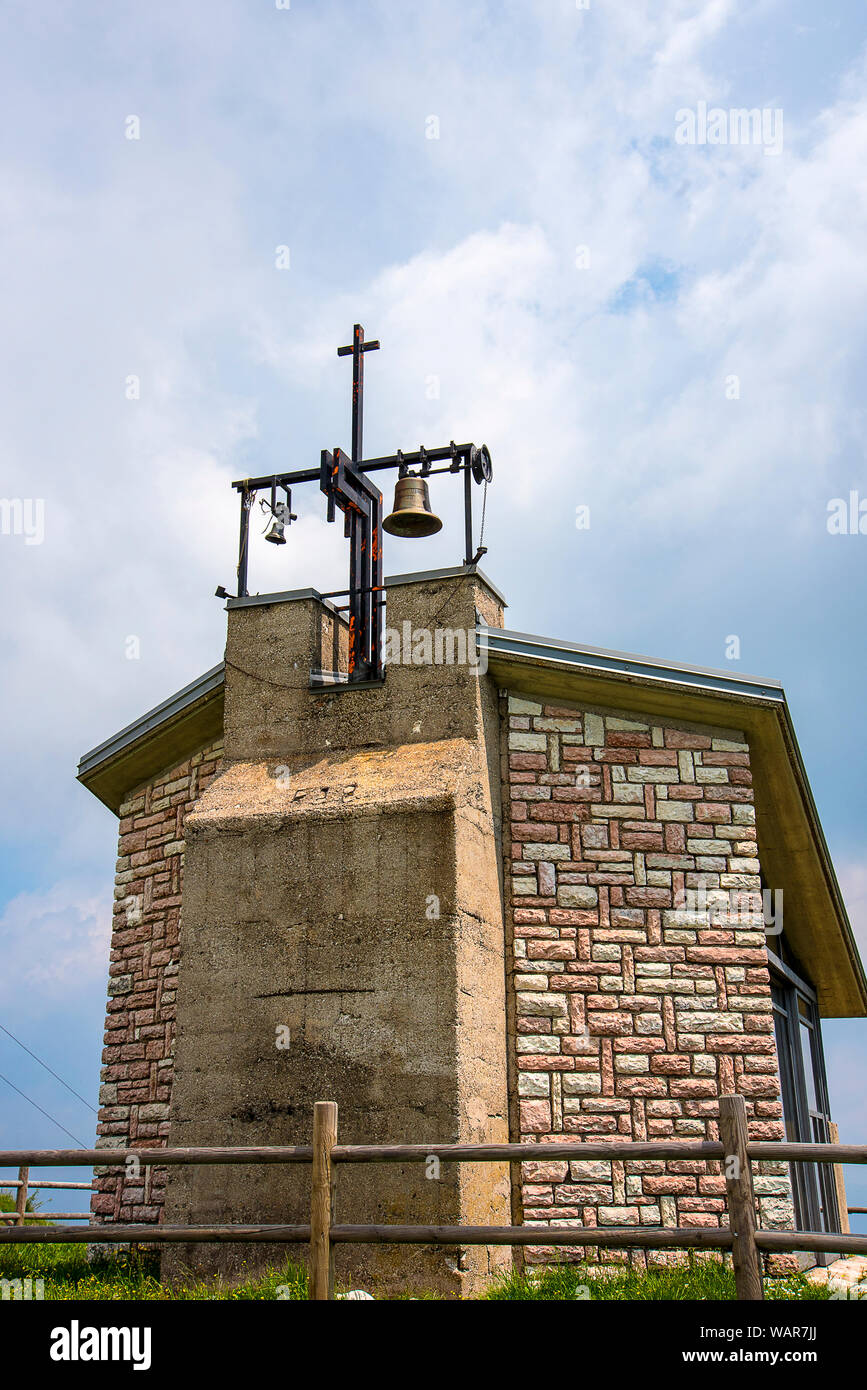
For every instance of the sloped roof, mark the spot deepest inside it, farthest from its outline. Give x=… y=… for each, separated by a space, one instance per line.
x=166 y=735
x=792 y=847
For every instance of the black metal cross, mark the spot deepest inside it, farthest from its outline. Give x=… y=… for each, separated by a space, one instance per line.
x=343 y=479
x=357 y=347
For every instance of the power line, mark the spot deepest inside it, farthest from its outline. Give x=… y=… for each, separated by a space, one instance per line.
x=48 y=1069
x=80 y=1142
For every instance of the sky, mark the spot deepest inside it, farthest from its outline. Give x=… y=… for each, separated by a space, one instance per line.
x=197 y=202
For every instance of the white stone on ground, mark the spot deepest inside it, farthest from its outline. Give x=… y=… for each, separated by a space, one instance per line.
x=843 y=1276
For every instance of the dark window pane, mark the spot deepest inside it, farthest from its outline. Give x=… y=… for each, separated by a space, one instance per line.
x=787 y=1088
x=809 y=1066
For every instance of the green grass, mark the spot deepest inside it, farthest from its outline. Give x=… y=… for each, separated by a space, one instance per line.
x=68 y=1275
x=706 y=1281
x=8 y=1203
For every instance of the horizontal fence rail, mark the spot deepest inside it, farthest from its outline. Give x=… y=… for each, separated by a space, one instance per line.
x=414 y=1153
x=35 y=1182
x=108 y=1158
x=650 y=1237
x=24 y=1183
x=114 y=1234
x=741 y=1236
x=47 y=1216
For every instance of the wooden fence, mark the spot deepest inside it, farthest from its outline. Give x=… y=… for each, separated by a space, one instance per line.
x=742 y=1237
x=24 y=1185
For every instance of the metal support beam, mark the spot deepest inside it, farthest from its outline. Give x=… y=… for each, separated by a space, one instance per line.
x=342 y=478
x=347 y=489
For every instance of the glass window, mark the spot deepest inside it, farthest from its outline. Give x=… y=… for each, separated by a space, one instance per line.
x=809 y=1067
x=804 y=1094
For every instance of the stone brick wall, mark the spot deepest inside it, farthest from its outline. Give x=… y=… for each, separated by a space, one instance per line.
x=632 y=1012
x=140 y=1018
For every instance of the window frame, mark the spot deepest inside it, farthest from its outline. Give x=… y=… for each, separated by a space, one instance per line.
x=795 y=1007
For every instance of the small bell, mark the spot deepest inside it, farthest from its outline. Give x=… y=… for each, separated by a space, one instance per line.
x=282 y=514
x=412 y=516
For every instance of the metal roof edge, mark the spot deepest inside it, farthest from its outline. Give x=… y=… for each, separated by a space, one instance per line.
x=160 y=714
x=825 y=854
x=768 y=695
x=605 y=661
x=501 y=640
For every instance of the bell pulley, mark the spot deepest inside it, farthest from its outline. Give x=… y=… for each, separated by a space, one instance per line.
x=344 y=479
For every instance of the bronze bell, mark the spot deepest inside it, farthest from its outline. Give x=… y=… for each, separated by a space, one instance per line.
x=412 y=516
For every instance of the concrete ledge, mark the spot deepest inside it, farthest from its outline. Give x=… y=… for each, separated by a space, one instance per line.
x=392 y=581
x=285 y=596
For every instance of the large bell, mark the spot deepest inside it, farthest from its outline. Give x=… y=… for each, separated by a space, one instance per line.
x=412 y=515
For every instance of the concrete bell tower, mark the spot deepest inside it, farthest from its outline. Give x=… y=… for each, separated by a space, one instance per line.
x=343 y=931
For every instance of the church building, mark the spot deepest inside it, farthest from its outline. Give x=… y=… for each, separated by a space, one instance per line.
x=473 y=884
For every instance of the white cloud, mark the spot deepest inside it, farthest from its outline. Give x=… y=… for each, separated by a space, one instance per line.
x=156 y=257
x=54 y=945
x=687 y=36
x=596 y=385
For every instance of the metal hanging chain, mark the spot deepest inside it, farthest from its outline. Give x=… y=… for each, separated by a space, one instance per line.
x=484 y=504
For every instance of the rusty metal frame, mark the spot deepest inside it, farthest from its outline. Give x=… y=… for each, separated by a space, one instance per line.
x=341 y=477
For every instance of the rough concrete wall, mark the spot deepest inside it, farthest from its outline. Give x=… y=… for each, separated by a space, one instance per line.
x=296 y=944
x=631 y=1016
x=312 y=862
x=137 y=1058
x=271 y=711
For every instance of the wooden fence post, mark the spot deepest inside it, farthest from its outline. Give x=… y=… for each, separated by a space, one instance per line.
x=21 y=1195
x=321 y=1274
x=740 y=1199
x=839 y=1182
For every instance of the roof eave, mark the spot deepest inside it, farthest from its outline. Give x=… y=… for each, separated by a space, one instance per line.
x=792 y=846
x=168 y=734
